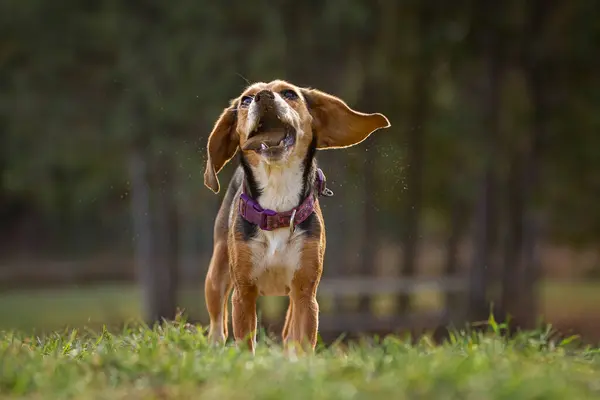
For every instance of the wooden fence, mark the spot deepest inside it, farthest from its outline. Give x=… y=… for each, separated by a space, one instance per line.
x=337 y=319
x=338 y=316
x=352 y=322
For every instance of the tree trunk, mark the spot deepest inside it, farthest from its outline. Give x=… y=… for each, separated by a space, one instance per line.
x=478 y=301
x=457 y=228
x=142 y=230
x=155 y=239
x=485 y=211
x=336 y=255
x=166 y=235
x=514 y=239
x=369 y=228
x=535 y=72
x=414 y=159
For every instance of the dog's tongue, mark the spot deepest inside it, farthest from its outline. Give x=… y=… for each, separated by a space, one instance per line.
x=272 y=138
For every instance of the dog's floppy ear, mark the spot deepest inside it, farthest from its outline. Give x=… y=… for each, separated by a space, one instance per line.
x=223 y=143
x=337 y=125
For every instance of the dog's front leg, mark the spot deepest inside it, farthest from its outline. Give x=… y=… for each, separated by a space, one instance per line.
x=289 y=321
x=245 y=294
x=306 y=321
x=217 y=288
x=305 y=315
x=244 y=314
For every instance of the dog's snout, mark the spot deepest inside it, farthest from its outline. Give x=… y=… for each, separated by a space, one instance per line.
x=264 y=95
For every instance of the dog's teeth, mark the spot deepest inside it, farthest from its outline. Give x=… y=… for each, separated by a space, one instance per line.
x=263 y=146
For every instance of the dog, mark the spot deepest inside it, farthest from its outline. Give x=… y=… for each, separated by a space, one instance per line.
x=269 y=233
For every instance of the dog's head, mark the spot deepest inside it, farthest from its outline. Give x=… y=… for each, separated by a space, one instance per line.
x=275 y=123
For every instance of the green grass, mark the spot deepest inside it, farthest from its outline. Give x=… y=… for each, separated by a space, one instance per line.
x=175 y=361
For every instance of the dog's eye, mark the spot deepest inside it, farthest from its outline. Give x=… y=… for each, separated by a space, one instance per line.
x=245 y=101
x=289 y=94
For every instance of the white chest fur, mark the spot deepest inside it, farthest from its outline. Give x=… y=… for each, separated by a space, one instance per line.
x=277 y=254
x=276 y=257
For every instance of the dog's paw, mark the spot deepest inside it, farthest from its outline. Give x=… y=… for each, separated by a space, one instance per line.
x=216 y=339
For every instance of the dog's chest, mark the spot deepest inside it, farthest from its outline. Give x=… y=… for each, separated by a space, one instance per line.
x=276 y=258
x=277 y=254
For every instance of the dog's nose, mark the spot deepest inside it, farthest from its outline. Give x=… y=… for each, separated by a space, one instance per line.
x=264 y=95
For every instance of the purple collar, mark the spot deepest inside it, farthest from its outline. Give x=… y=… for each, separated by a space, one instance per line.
x=269 y=220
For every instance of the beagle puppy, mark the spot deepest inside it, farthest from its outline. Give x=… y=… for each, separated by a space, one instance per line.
x=269 y=234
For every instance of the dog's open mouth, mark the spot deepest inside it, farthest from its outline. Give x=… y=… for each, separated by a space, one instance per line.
x=271 y=138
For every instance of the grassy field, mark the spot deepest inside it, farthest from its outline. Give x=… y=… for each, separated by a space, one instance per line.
x=175 y=362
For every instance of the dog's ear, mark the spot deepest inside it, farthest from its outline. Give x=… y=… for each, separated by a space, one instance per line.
x=222 y=145
x=337 y=125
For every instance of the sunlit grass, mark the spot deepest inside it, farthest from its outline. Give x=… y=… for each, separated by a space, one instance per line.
x=175 y=361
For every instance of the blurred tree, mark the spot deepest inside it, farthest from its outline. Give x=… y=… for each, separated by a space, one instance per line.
x=416 y=132
x=535 y=62
x=487 y=17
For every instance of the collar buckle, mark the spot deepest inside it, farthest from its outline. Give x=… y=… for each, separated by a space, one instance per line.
x=264 y=218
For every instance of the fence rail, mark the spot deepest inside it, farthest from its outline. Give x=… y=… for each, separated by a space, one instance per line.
x=367 y=322
x=374 y=286
x=337 y=322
